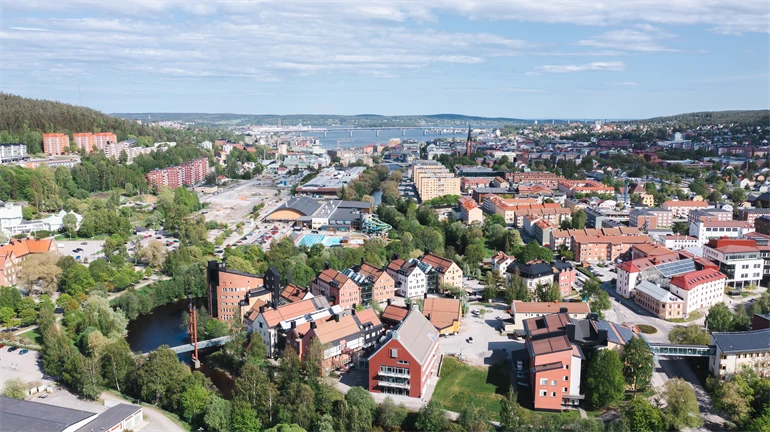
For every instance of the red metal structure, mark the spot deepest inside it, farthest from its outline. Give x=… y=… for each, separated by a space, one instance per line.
x=193 y=330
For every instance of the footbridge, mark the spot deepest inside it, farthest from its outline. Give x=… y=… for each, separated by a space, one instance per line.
x=682 y=350
x=201 y=344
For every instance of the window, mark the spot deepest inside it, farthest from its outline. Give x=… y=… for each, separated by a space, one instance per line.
x=394 y=353
x=565 y=390
x=543 y=393
x=543 y=381
x=553 y=394
x=553 y=383
x=566 y=378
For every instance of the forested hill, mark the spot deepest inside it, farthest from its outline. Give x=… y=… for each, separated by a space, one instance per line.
x=754 y=117
x=25 y=120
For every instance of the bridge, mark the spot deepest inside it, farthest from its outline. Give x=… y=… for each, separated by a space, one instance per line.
x=377 y=129
x=682 y=350
x=202 y=344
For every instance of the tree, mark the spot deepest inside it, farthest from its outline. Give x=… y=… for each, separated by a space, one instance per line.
x=15 y=388
x=70 y=224
x=719 y=318
x=6 y=315
x=40 y=270
x=637 y=364
x=510 y=412
x=153 y=254
x=359 y=397
x=681 y=228
x=77 y=280
x=9 y=297
x=285 y=427
x=641 y=416
x=533 y=251
x=474 y=254
x=218 y=414
x=255 y=387
x=473 y=419
x=194 y=401
x=691 y=334
x=600 y=301
x=244 y=418
x=160 y=374
x=117 y=363
x=681 y=405
x=548 y=292
x=734 y=398
x=605 y=383
x=390 y=416
x=431 y=418
x=324 y=423
x=313 y=364
x=579 y=219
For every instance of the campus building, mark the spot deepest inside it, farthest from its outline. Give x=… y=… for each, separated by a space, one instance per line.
x=738 y=350
x=699 y=289
x=338 y=288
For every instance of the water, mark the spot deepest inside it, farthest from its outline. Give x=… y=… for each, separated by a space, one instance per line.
x=361 y=138
x=162 y=326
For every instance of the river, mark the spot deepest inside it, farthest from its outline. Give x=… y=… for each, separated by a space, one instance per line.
x=364 y=137
x=162 y=327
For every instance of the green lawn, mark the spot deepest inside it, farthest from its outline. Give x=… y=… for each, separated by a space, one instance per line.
x=462 y=385
x=692 y=317
x=33 y=335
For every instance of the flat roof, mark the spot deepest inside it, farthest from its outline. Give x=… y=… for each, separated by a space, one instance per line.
x=20 y=415
x=110 y=418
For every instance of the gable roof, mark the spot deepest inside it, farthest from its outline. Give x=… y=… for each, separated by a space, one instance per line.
x=292 y=293
x=394 y=313
x=754 y=340
x=26 y=246
x=690 y=280
x=549 y=307
x=441 y=264
x=289 y=311
x=416 y=334
x=371 y=272
x=333 y=277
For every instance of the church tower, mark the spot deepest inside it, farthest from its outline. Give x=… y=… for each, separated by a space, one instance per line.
x=468 y=145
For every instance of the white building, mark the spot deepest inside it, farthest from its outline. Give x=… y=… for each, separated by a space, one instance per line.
x=679 y=242
x=741 y=263
x=410 y=280
x=706 y=230
x=736 y=350
x=500 y=262
x=10 y=216
x=12 y=152
x=699 y=289
x=271 y=323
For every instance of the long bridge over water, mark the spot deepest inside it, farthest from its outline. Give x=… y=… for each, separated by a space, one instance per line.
x=377 y=129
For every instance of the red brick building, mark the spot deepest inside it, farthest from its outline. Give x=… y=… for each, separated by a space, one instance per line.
x=186 y=174
x=404 y=363
x=226 y=289
x=338 y=288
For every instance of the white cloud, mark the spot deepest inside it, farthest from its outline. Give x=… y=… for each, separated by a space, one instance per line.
x=646 y=40
x=33 y=29
x=624 y=84
x=594 y=66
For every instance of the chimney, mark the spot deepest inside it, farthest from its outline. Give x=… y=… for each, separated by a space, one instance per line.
x=294 y=324
x=389 y=300
x=570 y=328
x=272 y=283
x=353 y=311
x=313 y=325
x=274 y=305
x=563 y=310
x=426 y=250
x=336 y=317
x=396 y=256
x=262 y=309
x=602 y=337
x=363 y=260
x=425 y=296
x=428 y=317
x=327 y=266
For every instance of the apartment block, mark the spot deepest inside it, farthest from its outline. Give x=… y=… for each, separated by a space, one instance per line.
x=547 y=179
x=55 y=144
x=187 y=174
x=603 y=248
x=682 y=209
x=738 y=350
x=699 y=289
x=706 y=230
x=585 y=187
x=12 y=152
x=750 y=215
x=338 y=288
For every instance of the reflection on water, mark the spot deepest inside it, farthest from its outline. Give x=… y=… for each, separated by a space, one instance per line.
x=162 y=326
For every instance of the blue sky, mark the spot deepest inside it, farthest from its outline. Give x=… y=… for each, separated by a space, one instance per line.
x=524 y=59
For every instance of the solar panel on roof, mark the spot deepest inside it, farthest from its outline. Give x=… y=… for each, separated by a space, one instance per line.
x=675 y=268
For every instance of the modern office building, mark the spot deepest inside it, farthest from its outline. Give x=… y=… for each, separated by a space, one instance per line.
x=739 y=260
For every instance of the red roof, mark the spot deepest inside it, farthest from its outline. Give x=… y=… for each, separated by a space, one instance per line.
x=690 y=280
x=685 y=204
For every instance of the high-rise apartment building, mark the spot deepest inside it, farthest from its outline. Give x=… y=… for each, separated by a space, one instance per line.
x=55 y=144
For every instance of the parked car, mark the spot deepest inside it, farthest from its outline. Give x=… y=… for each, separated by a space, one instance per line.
x=12 y=348
x=470 y=340
x=24 y=351
x=2 y=346
x=84 y=243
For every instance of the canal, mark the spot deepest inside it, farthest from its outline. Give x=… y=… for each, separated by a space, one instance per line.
x=163 y=326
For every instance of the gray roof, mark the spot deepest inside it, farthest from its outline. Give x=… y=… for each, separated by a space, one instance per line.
x=306 y=206
x=754 y=340
x=416 y=334
x=24 y=416
x=110 y=418
x=346 y=214
x=656 y=292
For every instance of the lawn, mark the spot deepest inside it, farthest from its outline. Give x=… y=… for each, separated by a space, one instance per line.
x=691 y=317
x=33 y=335
x=462 y=385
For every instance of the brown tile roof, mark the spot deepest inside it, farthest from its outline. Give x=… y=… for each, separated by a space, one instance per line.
x=702 y=204
x=330 y=331
x=293 y=293
x=330 y=276
x=439 y=263
x=442 y=312
x=550 y=307
x=550 y=345
x=254 y=311
x=369 y=271
x=26 y=246
x=394 y=313
x=288 y=311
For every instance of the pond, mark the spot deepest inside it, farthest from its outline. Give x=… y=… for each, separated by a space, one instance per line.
x=162 y=326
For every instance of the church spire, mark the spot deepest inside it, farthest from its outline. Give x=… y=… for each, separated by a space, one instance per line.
x=468 y=145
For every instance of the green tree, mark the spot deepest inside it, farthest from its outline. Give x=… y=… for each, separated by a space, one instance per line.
x=548 y=292
x=9 y=297
x=286 y=427
x=324 y=423
x=579 y=219
x=218 y=414
x=313 y=364
x=69 y=224
x=605 y=383
x=256 y=351
x=473 y=419
x=681 y=405
x=359 y=397
x=510 y=412
x=431 y=418
x=117 y=364
x=637 y=360
x=681 y=228
x=641 y=416
x=76 y=280
x=159 y=375
x=15 y=388
x=254 y=387
x=533 y=251
x=244 y=418
x=390 y=416
x=7 y=315
x=719 y=318
x=194 y=401
x=691 y=334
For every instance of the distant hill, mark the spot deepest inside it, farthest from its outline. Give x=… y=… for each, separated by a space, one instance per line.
x=759 y=117
x=25 y=120
x=360 y=120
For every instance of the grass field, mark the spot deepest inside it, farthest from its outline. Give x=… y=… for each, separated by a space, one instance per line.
x=462 y=385
x=34 y=336
x=692 y=317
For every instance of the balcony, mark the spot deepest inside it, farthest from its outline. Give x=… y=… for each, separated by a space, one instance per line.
x=394 y=374
x=393 y=384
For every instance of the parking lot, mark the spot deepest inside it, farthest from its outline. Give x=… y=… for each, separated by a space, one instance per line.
x=15 y=365
x=488 y=346
x=84 y=249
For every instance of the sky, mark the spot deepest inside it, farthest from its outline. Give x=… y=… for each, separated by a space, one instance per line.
x=607 y=59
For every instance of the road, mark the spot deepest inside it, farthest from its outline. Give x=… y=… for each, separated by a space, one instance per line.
x=677 y=367
x=158 y=422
